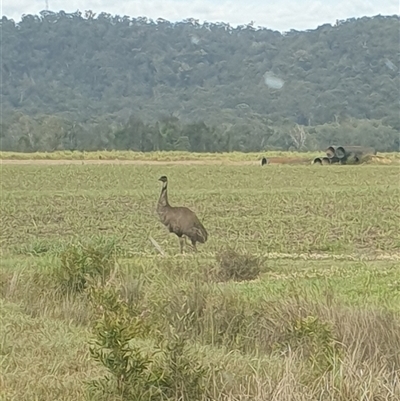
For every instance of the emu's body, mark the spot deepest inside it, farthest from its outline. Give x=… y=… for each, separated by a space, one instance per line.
x=264 y=161
x=180 y=220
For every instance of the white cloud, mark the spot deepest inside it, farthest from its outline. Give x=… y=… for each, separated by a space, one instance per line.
x=281 y=15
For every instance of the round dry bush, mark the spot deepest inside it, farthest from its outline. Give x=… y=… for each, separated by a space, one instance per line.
x=237 y=267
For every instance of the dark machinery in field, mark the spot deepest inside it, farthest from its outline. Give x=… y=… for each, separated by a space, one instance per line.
x=344 y=155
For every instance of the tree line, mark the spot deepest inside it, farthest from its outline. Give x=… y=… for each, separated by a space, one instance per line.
x=50 y=133
x=87 y=81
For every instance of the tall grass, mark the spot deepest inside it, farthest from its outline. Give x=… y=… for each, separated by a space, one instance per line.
x=158 y=334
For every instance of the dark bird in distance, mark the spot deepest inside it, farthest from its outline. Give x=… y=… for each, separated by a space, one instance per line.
x=180 y=220
x=263 y=161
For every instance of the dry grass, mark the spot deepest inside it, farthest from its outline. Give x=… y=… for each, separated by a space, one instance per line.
x=180 y=157
x=150 y=156
x=42 y=358
x=316 y=314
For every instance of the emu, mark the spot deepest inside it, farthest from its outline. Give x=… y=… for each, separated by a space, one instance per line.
x=180 y=220
x=264 y=161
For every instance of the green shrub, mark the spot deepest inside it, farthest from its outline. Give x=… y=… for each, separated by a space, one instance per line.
x=79 y=262
x=181 y=375
x=166 y=372
x=114 y=330
x=315 y=340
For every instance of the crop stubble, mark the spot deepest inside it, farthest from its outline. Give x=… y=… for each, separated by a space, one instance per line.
x=283 y=209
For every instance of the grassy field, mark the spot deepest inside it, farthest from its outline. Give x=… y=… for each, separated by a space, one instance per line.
x=295 y=296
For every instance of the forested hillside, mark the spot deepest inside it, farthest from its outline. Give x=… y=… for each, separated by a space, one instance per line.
x=86 y=81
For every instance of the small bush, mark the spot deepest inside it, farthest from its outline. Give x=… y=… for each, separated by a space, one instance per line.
x=237 y=267
x=78 y=262
x=165 y=372
x=181 y=375
x=114 y=330
x=315 y=340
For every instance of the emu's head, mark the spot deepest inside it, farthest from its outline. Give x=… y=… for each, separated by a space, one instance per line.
x=163 y=178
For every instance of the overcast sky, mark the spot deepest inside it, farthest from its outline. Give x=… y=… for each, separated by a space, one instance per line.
x=281 y=15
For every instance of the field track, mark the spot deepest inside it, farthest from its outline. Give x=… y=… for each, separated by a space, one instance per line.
x=291 y=256
x=49 y=162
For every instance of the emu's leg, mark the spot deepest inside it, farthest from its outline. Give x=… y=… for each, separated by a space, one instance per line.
x=181 y=243
x=186 y=243
x=194 y=246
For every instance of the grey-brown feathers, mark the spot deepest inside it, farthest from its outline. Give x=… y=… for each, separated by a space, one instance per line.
x=180 y=220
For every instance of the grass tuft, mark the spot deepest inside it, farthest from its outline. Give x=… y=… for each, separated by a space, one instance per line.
x=236 y=266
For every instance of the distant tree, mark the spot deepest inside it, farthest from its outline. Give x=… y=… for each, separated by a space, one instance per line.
x=298 y=135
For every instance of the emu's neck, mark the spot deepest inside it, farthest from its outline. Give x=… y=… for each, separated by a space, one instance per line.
x=163 y=200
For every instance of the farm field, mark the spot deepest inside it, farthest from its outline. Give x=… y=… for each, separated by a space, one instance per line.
x=295 y=296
